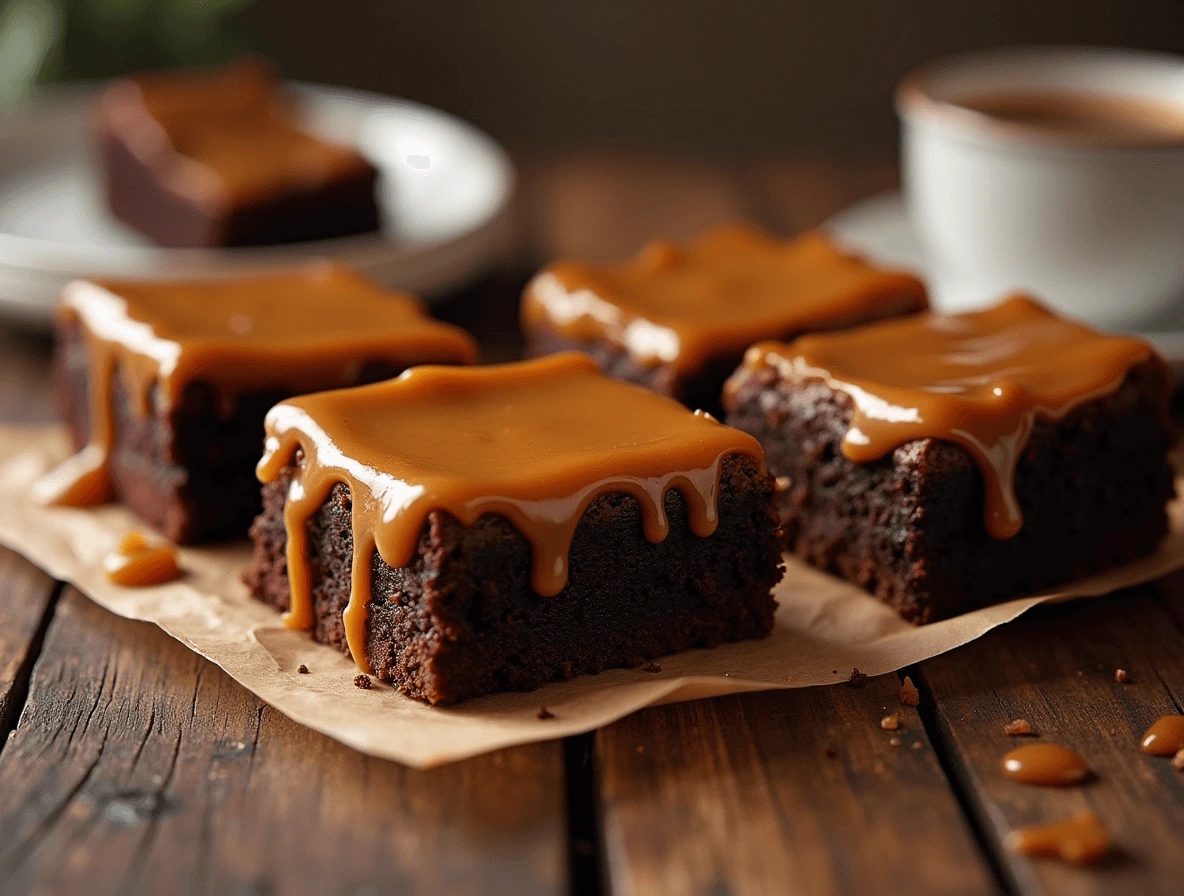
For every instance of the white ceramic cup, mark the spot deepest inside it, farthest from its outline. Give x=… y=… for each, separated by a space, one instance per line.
x=1094 y=227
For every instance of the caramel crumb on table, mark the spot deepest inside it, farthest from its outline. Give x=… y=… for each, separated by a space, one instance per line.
x=362 y=681
x=917 y=745
x=1080 y=840
x=890 y=723
x=1045 y=765
x=894 y=741
x=909 y=695
x=1120 y=675
x=1165 y=737
x=1018 y=728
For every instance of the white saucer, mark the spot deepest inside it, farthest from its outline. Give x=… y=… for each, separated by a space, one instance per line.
x=879 y=227
x=446 y=188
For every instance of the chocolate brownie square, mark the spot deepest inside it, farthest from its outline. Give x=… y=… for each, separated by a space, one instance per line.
x=461 y=532
x=952 y=461
x=678 y=317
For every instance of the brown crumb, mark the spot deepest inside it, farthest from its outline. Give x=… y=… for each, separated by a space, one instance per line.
x=789 y=678
x=362 y=681
x=1018 y=728
x=545 y=713
x=653 y=667
x=1178 y=761
x=302 y=669
x=890 y=723
x=1120 y=676
x=857 y=679
x=909 y=695
x=831 y=752
x=894 y=741
x=917 y=745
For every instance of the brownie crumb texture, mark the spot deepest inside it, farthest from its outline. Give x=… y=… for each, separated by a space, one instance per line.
x=909 y=695
x=362 y=681
x=303 y=670
x=1018 y=728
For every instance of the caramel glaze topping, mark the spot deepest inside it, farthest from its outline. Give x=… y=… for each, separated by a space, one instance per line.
x=979 y=379
x=222 y=137
x=298 y=331
x=1165 y=737
x=686 y=304
x=1047 y=765
x=535 y=442
x=1081 y=840
x=137 y=563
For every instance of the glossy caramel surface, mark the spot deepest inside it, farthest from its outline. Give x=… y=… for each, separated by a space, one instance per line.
x=687 y=303
x=1046 y=765
x=535 y=442
x=302 y=330
x=979 y=379
x=222 y=137
x=1079 y=840
x=139 y=563
x=1165 y=737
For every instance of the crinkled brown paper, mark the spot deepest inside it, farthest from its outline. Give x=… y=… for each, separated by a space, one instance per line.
x=823 y=625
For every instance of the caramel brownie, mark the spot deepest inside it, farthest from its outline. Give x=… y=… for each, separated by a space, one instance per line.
x=949 y=461
x=218 y=157
x=678 y=317
x=165 y=385
x=460 y=531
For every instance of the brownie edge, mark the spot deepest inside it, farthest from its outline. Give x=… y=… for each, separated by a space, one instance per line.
x=462 y=619
x=909 y=527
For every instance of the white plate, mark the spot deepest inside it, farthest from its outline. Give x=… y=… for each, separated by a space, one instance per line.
x=444 y=196
x=879 y=227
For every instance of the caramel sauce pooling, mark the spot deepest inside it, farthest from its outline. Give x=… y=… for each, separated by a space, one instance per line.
x=535 y=442
x=138 y=563
x=1080 y=840
x=1165 y=737
x=1047 y=765
x=222 y=137
x=980 y=379
x=298 y=331
x=686 y=304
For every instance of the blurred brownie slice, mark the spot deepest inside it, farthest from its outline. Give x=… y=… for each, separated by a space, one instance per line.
x=945 y=462
x=165 y=385
x=678 y=317
x=218 y=157
x=461 y=531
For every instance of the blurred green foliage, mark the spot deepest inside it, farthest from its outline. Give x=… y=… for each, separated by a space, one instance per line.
x=50 y=40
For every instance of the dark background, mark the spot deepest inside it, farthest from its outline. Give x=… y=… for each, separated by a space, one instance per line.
x=707 y=76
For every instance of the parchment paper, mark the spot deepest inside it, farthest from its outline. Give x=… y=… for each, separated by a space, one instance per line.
x=824 y=629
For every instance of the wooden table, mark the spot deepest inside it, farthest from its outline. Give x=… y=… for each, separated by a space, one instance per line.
x=128 y=764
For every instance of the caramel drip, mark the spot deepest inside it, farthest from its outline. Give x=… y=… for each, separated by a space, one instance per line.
x=979 y=379
x=222 y=137
x=686 y=304
x=1165 y=737
x=136 y=563
x=1080 y=840
x=1047 y=765
x=535 y=442
x=298 y=331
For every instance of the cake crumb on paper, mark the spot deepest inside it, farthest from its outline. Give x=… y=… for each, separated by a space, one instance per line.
x=302 y=669
x=362 y=681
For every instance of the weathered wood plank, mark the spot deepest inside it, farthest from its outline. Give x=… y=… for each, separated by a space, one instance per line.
x=26 y=600
x=1055 y=668
x=140 y=767
x=743 y=795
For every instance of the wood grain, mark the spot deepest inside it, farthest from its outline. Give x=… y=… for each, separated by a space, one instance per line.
x=26 y=600
x=1055 y=668
x=137 y=766
x=742 y=795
